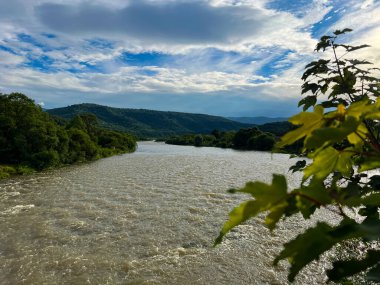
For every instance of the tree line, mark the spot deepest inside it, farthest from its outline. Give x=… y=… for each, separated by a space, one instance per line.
x=244 y=139
x=31 y=139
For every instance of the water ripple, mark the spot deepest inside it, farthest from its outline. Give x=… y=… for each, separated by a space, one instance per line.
x=143 y=218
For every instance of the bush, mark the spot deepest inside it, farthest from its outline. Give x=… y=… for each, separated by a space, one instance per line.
x=6 y=171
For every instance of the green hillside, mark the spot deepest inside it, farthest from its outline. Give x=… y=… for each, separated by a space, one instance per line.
x=148 y=123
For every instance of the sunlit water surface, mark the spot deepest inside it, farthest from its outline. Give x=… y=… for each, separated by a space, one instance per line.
x=144 y=218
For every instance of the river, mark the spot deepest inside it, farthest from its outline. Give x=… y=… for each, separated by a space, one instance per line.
x=144 y=218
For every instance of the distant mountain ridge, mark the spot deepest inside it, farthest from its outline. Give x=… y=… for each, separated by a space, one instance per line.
x=257 y=120
x=148 y=123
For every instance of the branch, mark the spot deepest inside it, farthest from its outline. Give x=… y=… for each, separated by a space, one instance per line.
x=339 y=69
x=316 y=202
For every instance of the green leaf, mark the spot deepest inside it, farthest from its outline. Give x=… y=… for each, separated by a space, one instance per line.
x=329 y=104
x=324 y=43
x=298 y=166
x=309 y=121
x=275 y=214
x=316 y=67
x=370 y=163
x=349 y=78
x=311 y=197
x=324 y=88
x=237 y=216
x=356 y=138
x=317 y=191
x=352 y=48
x=340 y=32
x=375 y=182
x=343 y=269
x=313 y=241
x=265 y=192
x=356 y=61
x=331 y=135
x=309 y=245
x=360 y=108
x=270 y=197
x=308 y=101
x=374 y=274
x=326 y=160
x=371 y=200
x=305 y=206
x=313 y=87
x=369 y=229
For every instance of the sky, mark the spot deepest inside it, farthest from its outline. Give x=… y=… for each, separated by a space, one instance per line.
x=219 y=57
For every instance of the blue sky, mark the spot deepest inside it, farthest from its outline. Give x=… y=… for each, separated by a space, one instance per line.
x=220 y=57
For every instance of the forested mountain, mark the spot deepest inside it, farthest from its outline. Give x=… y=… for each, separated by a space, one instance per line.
x=148 y=123
x=257 y=120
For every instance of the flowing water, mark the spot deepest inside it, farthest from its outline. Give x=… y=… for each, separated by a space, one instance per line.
x=144 y=218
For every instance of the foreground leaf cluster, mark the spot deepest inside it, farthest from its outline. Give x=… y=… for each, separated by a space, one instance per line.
x=341 y=138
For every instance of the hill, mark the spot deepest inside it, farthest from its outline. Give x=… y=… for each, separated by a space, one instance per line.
x=148 y=123
x=256 y=120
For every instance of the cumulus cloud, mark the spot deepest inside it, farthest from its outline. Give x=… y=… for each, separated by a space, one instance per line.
x=170 y=22
x=154 y=80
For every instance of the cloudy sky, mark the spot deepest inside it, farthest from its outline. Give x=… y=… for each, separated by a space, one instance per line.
x=221 y=57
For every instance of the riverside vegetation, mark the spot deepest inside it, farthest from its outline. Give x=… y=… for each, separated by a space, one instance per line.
x=247 y=139
x=31 y=139
x=261 y=138
x=343 y=144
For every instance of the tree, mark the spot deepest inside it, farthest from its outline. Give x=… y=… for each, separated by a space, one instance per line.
x=198 y=140
x=241 y=138
x=263 y=141
x=343 y=144
x=28 y=135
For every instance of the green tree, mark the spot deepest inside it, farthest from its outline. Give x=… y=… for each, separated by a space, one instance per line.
x=34 y=139
x=28 y=135
x=343 y=144
x=198 y=140
x=242 y=137
x=81 y=146
x=263 y=141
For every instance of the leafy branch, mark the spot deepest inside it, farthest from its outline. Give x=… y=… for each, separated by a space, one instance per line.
x=341 y=138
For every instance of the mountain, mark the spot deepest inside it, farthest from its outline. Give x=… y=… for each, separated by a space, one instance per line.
x=148 y=123
x=256 y=120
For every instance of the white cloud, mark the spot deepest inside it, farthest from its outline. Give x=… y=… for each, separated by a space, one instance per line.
x=9 y=59
x=246 y=36
x=365 y=22
x=130 y=79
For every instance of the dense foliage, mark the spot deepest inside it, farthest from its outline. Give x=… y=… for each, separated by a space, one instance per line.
x=148 y=123
x=245 y=139
x=277 y=128
x=343 y=144
x=32 y=139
